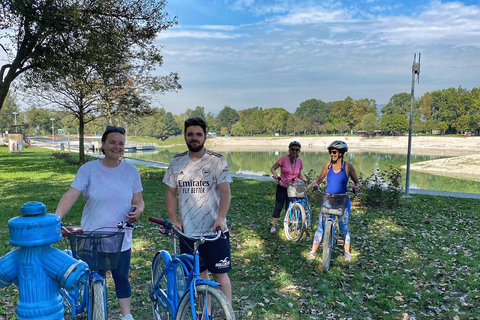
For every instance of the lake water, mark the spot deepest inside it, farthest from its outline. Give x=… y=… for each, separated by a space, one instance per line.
x=259 y=163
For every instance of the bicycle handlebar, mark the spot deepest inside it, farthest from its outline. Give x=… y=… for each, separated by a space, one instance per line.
x=168 y=225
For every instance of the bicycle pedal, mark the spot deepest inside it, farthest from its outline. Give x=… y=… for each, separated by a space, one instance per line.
x=340 y=242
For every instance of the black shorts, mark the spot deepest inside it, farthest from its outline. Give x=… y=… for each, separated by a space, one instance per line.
x=214 y=256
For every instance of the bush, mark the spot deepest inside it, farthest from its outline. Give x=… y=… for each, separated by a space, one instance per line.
x=381 y=189
x=311 y=176
x=152 y=175
x=71 y=158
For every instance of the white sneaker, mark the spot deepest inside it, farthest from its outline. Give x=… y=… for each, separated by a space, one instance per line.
x=347 y=256
x=128 y=317
x=273 y=230
x=312 y=255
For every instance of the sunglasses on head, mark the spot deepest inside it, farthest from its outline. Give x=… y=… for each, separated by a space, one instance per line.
x=295 y=149
x=115 y=129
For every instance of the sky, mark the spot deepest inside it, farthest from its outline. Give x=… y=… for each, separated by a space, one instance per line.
x=277 y=54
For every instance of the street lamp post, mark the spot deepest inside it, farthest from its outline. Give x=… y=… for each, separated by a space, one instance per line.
x=53 y=131
x=15 y=114
x=415 y=71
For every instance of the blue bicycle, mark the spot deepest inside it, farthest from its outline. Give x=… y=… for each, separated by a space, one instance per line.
x=332 y=207
x=178 y=292
x=100 y=249
x=298 y=216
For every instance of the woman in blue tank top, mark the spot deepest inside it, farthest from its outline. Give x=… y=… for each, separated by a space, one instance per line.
x=337 y=172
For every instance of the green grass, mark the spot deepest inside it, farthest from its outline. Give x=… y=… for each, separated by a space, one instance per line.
x=420 y=259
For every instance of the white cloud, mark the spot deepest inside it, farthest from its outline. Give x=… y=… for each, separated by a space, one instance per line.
x=196 y=34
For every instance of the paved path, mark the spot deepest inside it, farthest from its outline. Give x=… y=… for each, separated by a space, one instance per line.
x=246 y=176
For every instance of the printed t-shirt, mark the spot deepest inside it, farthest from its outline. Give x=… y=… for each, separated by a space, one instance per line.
x=197 y=188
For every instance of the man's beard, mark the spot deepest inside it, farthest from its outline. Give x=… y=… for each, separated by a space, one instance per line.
x=197 y=148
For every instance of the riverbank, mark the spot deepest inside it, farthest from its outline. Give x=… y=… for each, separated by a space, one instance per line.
x=463 y=154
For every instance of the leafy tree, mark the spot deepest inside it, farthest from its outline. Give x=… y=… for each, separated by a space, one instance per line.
x=275 y=120
x=105 y=73
x=171 y=126
x=442 y=126
x=361 y=107
x=341 y=110
x=314 y=112
x=342 y=127
x=252 y=120
x=238 y=129
x=396 y=123
x=224 y=131
x=39 y=117
x=400 y=103
x=199 y=112
x=370 y=123
x=7 y=118
x=50 y=35
x=465 y=123
x=227 y=117
x=213 y=123
x=293 y=124
x=326 y=128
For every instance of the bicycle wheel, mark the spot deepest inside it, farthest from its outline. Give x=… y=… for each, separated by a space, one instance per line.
x=308 y=212
x=97 y=301
x=293 y=224
x=327 y=245
x=207 y=300
x=159 y=312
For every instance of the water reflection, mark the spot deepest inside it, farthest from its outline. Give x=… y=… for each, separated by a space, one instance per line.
x=259 y=163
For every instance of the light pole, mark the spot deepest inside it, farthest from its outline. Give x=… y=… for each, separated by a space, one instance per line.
x=53 y=131
x=415 y=71
x=15 y=114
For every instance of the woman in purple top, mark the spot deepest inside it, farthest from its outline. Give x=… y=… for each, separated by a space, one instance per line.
x=290 y=170
x=337 y=171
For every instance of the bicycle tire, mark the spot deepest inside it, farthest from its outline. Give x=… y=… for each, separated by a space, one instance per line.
x=294 y=222
x=327 y=246
x=97 y=300
x=159 y=312
x=218 y=305
x=308 y=212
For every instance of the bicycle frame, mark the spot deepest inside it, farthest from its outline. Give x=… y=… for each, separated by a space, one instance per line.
x=71 y=298
x=190 y=265
x=305 y=202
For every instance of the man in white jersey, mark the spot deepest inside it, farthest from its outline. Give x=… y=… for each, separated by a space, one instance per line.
x=201 y=180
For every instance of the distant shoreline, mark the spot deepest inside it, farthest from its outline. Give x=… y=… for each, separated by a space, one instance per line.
x=427 y=145
x=463 y=152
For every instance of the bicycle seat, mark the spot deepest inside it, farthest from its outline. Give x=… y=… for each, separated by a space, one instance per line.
x=74 y=229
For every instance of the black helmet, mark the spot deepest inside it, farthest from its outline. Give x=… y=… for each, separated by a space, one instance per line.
x=294 y=143
x=338 y=145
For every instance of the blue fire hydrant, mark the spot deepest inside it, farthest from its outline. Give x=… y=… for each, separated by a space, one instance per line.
x=37 y=268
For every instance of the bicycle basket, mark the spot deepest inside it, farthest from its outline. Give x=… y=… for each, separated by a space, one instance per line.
x=100 y=250
x=297 y=190
x=333 y=204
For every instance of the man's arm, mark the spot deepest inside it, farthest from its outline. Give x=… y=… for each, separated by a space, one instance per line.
x=225 y=197
x=67 y=201
x=171 y=204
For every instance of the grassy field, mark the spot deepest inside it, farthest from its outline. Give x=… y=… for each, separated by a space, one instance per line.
x=418 y=261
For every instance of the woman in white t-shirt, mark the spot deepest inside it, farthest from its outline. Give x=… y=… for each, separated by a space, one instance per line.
x=111 y=188
x=290 y=169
